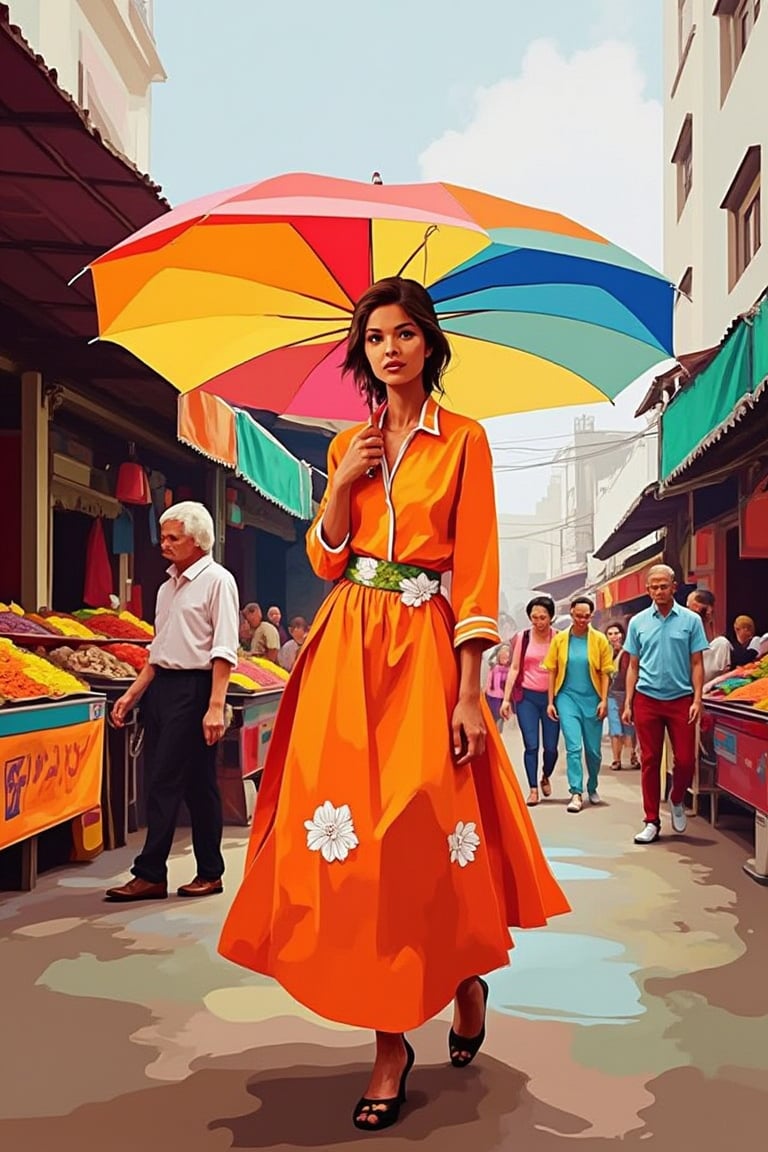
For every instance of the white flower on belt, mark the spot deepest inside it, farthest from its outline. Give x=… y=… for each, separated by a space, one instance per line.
x=463 y=843
x=331 y=832
x=417 y=590
x=365 y=569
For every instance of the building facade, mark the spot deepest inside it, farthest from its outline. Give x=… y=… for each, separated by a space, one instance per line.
x=105 y=57
x=716 y=144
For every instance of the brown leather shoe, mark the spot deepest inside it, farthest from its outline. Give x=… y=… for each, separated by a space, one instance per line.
x=200 y=887
x=137 y=889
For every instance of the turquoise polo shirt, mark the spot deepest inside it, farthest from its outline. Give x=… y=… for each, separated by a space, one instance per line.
x=664 y=646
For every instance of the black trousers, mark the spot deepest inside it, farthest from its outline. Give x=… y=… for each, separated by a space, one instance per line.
x=179 y=766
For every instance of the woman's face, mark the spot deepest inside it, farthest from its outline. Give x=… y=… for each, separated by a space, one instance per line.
x=395 y=346
x=540 y=618
x=615 y=637
x=581 y=614
x=505 y=655
x=744 y=633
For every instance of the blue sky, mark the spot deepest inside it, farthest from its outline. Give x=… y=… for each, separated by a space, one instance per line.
x=348 y=86
x=556 y=104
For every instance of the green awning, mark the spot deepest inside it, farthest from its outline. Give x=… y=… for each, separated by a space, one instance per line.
x=718 y=398
x=271 y=469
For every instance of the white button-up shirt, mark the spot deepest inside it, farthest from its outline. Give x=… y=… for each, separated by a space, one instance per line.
x=197 y=618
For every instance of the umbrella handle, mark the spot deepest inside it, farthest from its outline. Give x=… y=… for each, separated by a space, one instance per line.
x=371 y=472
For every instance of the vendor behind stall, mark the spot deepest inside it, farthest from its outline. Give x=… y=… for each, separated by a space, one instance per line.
x=185 y=681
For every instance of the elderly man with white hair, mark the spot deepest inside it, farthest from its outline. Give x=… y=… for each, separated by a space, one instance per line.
x=185 y=681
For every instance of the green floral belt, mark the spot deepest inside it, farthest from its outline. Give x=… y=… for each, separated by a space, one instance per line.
x=415 y=585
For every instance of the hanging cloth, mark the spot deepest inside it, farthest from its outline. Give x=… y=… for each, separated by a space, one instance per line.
x=97 y=587
x=122 y=534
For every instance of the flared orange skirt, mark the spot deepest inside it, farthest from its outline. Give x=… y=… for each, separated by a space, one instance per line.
x=379 y=875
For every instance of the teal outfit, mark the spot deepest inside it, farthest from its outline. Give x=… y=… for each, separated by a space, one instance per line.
x=576 y=704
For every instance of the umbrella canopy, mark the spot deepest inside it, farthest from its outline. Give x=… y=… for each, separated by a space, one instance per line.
x=248 y=294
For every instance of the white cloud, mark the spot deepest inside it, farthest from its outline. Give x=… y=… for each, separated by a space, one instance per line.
x=575 y=134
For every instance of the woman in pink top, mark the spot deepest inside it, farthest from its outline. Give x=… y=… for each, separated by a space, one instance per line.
x=528 y=682
x=498 y=673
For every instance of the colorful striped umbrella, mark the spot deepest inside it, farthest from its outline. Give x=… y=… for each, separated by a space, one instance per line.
x=248 y=295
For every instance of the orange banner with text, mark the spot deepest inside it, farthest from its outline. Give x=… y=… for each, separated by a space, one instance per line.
x=48 y=777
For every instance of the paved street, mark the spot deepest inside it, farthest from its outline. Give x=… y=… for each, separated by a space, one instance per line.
x=641 y=1017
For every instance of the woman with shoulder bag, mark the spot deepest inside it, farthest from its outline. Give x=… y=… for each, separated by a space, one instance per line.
x=527 y=686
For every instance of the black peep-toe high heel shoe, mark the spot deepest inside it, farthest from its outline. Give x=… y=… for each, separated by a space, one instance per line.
x=387 y=1112
x=458 y=1044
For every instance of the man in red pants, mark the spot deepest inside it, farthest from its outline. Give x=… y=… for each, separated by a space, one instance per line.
x=665 y=678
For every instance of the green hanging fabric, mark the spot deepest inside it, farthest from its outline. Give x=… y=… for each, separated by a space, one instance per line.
x=271 y=469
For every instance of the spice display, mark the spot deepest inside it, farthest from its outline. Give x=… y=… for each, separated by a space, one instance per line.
x=92 y=661
x=240 y=681
x=14 y=682
x=22 y=667
x=20 y=625
x=145 y=627
x=131 y=654
x=115 y=627
x=68 y=626
x=121 y=625
x=751 y=693
x=264 y=672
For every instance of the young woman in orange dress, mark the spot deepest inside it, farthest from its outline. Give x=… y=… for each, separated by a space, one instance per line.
x=391 y=848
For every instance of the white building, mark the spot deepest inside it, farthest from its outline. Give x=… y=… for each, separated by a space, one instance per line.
x=716 y=145
x=105 y=56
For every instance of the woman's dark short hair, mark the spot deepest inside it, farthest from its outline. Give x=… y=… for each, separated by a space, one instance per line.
x=545 y=602
x=618 y=626
x=583 y=600
x=704 y=596
x=414 y=299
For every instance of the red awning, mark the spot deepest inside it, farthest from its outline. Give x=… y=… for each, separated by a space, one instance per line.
x=66 y=196
x=627 y=585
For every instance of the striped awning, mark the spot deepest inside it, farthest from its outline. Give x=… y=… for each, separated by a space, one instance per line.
x=231 y=437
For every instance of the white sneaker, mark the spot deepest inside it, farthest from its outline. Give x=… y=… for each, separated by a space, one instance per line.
x=576 y=803
x=649 y=833
x=679 y=818
x=594 y=798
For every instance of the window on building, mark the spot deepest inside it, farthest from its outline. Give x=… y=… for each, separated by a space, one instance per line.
x=737 y=22
x=742 y=203
x=685 y=287
x=684 y=26
x=682 y=158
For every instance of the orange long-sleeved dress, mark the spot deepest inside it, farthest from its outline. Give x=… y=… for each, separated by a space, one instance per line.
x=379 y=875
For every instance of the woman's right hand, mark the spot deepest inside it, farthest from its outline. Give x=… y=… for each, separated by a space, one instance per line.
x=506 y=710
x=552 y=712
x=365 y=451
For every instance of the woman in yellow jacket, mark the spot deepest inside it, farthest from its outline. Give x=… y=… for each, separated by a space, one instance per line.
x=580 y=662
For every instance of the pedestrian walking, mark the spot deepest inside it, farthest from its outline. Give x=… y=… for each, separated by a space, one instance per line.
x=495 y=682
x=527 y=686
x=182 y=690
x=666 y=645
x=580 y=663
x=391 y=849
x=622 y=736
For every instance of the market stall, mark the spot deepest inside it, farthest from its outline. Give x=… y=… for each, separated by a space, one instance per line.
x=735 y=739
x=51 y=744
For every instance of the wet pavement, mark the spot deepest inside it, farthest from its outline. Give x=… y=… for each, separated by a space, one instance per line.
x=640 y=1018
